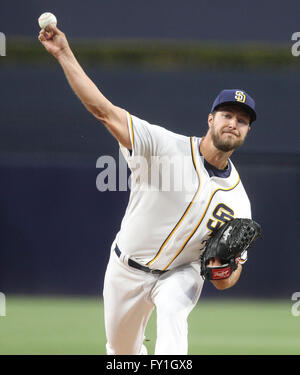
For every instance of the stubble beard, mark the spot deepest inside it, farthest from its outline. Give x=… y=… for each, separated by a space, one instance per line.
x=225 y=144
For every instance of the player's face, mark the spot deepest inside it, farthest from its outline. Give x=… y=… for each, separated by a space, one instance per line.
x=229 y=127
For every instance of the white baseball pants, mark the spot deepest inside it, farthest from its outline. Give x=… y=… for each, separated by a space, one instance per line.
x=130 y=296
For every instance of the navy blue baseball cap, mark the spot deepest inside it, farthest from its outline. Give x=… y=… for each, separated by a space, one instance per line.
x=237 y=97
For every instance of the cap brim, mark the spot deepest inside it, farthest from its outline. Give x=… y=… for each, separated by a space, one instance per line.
x=248 y=109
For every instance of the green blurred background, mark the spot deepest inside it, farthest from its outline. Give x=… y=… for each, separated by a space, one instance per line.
x=73 y=326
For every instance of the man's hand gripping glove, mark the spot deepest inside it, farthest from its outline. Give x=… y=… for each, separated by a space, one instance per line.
x=227 y=244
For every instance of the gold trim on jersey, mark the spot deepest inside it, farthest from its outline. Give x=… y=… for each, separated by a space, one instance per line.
x=131 y=128
x=185 y=212
x=197 y=226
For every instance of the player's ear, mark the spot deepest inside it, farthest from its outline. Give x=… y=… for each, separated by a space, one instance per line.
x=210 y=120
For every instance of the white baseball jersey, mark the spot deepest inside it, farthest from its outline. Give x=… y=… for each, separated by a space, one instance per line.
x=177 y=199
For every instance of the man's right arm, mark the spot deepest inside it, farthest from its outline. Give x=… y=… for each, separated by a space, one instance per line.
x=113 y=117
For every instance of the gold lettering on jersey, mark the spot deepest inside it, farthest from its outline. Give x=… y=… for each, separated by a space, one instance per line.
x=221 y=214
x=240 y=96
x=200 y=221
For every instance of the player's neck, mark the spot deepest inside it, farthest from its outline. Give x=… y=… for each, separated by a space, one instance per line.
x=215 y=157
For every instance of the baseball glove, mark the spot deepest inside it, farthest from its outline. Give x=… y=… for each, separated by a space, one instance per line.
x=227 y=244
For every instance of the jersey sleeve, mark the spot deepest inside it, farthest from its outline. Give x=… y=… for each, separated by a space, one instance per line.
x=146 y=139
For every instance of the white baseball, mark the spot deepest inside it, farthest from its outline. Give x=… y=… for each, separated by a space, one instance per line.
x=46 y=19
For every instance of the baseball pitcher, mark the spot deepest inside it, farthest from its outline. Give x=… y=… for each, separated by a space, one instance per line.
x=188 y=217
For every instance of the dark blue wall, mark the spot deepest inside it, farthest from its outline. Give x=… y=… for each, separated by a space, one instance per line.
x=40 y=114
x=216 y=20
x=56 y=227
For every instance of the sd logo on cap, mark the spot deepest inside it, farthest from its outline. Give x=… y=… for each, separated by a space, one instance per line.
x=237 y=97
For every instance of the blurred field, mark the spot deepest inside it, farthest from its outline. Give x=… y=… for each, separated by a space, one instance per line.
x=75 y=326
